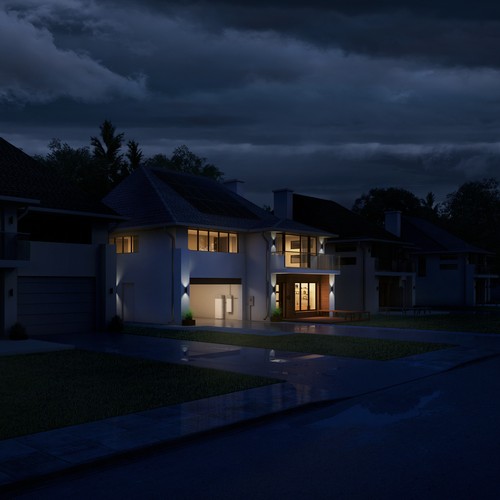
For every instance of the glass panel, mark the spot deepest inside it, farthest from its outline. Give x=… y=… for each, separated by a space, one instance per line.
x=297 y=296
x=312 y=296
x=135 y=244
x=192 y=239
x=127 y=244
x=313 y=248
x=278 y=301
x=223 y=243
x=213 y=237
x=292 y=243
x=279 y=243
x=119 y=245
x=203 y=241
x=233 y=243
x=304 y=296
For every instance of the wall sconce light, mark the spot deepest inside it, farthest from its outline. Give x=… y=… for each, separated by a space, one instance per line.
x=273 y=241
x=273 y=288
x=331 y=288
x=186 y=289
x=111 y=291
x=11 y=292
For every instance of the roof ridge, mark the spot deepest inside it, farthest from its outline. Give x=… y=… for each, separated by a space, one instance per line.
x=152 y=179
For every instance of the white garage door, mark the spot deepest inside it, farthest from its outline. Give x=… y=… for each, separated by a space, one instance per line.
x=205 y=299
x=56 y=305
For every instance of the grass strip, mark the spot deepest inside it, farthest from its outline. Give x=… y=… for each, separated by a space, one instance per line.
x=39 y=392
x=478 y=322
x=330 y=345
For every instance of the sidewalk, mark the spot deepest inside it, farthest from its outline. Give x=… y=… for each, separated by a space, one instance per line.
x=308 y=379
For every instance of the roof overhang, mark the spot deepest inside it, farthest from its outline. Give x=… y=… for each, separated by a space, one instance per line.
x=14 y=200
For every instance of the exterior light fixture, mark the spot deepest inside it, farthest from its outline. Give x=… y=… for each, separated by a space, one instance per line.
x=273 y=288
x=185 y=289
x=331 y=288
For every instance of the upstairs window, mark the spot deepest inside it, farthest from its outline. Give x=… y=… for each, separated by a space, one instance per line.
x=125 y=244
x=212 y=241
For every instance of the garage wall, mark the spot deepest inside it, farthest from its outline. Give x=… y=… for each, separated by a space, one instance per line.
x=57 y=304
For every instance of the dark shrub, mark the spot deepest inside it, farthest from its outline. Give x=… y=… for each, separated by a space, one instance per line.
x=115 y=325
x=17 y=332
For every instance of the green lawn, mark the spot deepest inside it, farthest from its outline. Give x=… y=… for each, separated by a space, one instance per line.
x=353 y=347
x=45 y=391
x=483 y=321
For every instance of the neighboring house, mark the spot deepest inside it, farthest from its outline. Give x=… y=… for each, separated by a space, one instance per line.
x=190 y=243
x=57 y=272
x=450 y=272
x=376 y=270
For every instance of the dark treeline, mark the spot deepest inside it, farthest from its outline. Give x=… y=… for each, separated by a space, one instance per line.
x=472 y=212
x=98 y=168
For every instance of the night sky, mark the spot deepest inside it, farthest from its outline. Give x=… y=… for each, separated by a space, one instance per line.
x=328 y=98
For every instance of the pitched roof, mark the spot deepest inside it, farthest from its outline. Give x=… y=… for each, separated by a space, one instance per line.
x=23 y=177
x=332 y=217
x=157 y=196
x=430 y=238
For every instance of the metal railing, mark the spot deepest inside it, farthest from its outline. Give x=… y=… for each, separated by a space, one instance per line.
x=14 y=246
x=303 y=260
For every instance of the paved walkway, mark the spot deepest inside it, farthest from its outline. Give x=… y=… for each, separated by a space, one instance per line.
x=307 y=379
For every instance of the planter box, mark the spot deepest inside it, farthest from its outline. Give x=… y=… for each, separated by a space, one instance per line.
x=188 y=322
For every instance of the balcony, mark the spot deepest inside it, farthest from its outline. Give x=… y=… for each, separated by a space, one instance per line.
x=303 y=260
x=14 y=246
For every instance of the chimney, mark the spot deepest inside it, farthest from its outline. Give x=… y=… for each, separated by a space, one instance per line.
x=393 y=223
x=283 y=203
x=235 y=185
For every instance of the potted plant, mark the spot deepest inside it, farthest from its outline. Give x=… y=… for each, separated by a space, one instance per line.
x=277 y=315
x=188 y=319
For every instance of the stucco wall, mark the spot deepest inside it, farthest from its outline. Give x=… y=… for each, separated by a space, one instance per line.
x=144 y=279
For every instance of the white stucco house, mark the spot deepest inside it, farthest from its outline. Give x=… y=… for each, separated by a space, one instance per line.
x=192 y=244
x=57 y=271
x=449 y=271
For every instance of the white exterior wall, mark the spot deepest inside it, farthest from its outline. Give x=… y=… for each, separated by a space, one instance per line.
x=146 y=277
x=440 y=287
x=258 y=289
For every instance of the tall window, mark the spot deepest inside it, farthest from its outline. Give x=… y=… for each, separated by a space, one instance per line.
x=297 y=249
x=212 y=241
x=125 y=244
x=305 y=296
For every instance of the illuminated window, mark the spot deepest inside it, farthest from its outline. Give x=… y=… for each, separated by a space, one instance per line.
x=125 y=244
x=298 y=249
x=212 y=241
x=305 y=296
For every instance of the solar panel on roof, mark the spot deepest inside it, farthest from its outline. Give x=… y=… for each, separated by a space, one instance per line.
x=205 y=196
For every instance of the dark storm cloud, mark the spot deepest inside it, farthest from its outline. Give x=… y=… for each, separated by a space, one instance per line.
x=334 y=97
x=455 y=33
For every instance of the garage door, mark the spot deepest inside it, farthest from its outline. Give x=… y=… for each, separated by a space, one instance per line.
x=56 y=305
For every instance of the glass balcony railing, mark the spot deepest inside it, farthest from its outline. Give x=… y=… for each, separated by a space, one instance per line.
x=303 y=260
x=14 y=246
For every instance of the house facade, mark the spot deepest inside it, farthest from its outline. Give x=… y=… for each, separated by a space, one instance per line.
x=450 y=272
x=193 y=244
x=57 y=272
x=376 y=269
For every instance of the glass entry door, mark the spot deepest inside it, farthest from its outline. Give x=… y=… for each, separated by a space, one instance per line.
x=305 y=297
